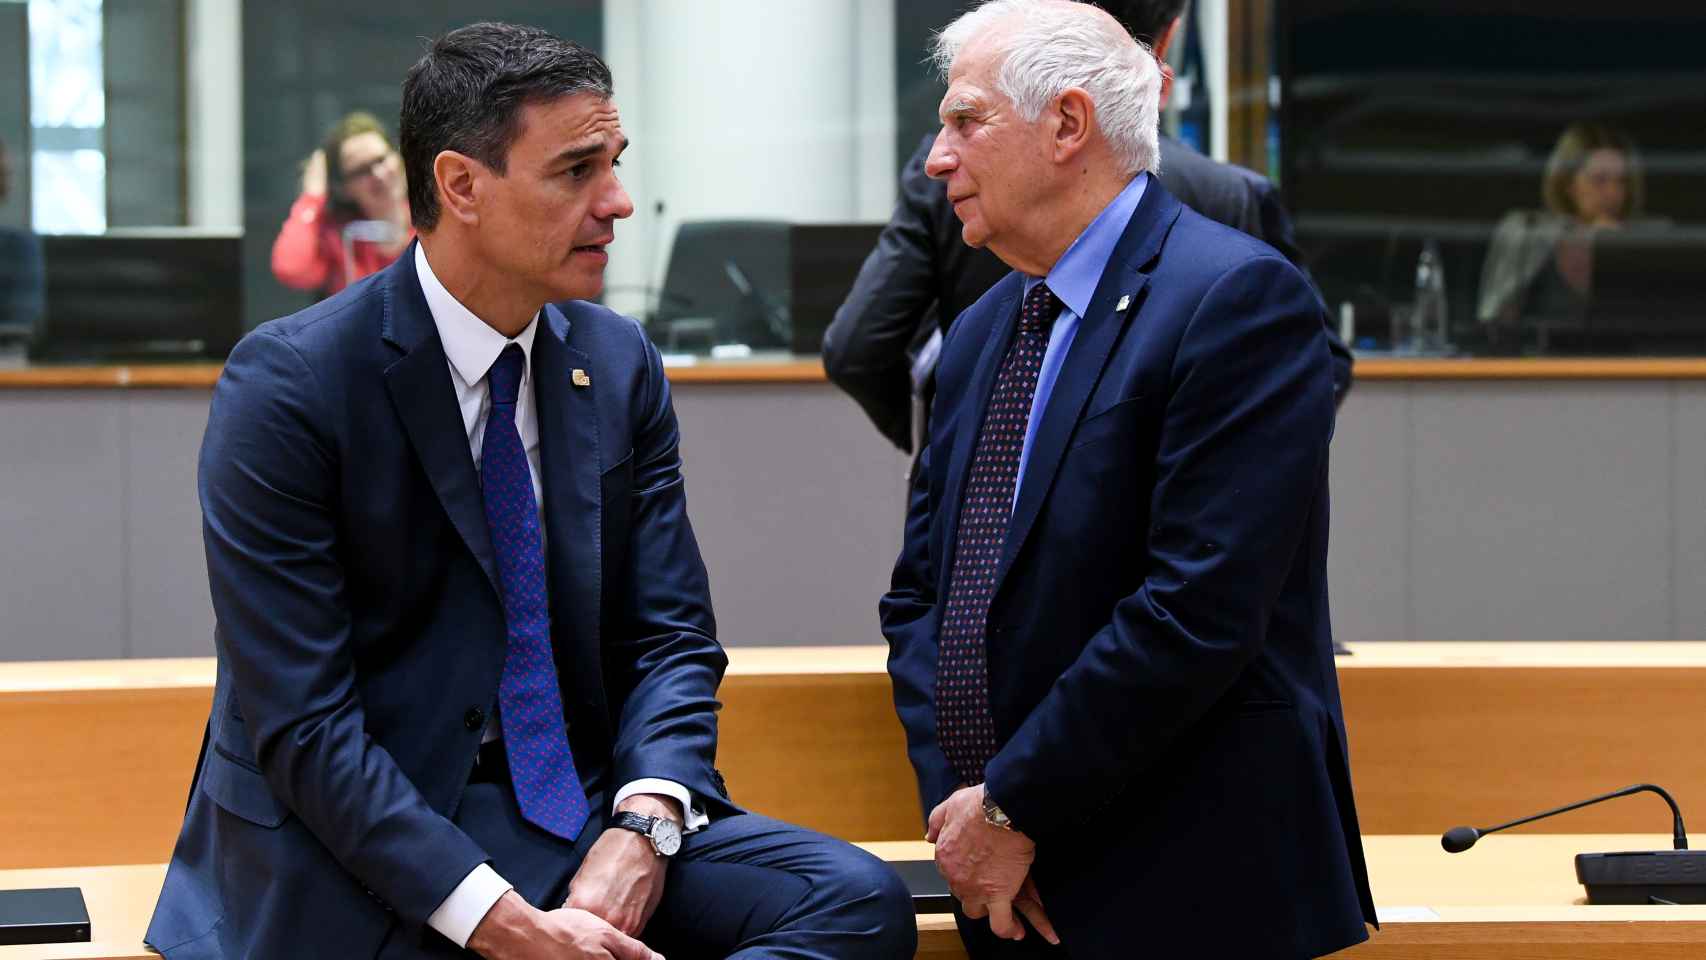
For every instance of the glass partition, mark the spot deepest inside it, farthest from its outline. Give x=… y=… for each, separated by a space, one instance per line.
x=1500 y=179
x=1468 y=179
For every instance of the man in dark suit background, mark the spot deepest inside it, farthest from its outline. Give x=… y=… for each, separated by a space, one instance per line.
x=467 y=664
x=1108 y=626
x=922 y=275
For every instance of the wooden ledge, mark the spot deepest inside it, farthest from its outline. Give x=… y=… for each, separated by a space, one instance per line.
x=1533 y=368
x=179 y=376
x=202 y=376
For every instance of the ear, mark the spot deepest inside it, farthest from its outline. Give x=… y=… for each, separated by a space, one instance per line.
x=1164 y=41
x=458 y=177
x=1075 y=123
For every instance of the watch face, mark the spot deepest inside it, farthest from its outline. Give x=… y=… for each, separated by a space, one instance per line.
x=666 y=837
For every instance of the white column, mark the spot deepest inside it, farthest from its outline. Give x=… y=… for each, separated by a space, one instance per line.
x=1212 y=19
x=748 y=109
x=214 y=94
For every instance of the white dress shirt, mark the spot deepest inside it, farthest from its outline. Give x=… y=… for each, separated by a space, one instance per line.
x=472 y=347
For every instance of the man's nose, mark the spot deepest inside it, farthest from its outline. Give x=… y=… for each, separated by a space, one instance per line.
x=617 y=204
x=941 y=160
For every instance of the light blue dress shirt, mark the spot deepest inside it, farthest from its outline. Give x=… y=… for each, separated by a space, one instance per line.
x=1073 y=279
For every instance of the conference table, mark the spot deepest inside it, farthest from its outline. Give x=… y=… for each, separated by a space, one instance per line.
x=1513 y=897
x=100 y=753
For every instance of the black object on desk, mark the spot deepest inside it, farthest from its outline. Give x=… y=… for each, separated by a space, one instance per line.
x=929 y=891
x=140 y=295
x=50 y=915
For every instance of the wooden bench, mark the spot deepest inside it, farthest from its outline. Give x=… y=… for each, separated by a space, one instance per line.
x=1511 y=898
x=101 y=752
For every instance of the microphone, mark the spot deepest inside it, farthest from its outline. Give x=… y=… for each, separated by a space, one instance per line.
x=1459 y=839
x=1674 y=876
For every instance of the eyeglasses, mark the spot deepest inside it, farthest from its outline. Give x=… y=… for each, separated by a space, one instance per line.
x=368 y=169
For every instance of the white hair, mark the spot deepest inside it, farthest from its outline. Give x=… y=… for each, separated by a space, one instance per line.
x=1053 y=45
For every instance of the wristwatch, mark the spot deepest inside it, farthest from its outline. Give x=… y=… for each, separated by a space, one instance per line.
x=664 y=833
x=994 y=815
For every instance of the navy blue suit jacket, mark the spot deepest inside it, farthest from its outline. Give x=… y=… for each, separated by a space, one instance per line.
x=360 y=632
x=1160 y=656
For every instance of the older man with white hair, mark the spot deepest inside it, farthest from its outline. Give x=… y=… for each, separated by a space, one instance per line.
x=1108 y=624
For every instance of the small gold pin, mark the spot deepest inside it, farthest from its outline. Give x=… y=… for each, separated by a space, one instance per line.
x=1125 y=301
x=580 y=379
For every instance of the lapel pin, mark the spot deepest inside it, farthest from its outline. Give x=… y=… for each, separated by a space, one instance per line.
x=1125 y=301
x=580 y=379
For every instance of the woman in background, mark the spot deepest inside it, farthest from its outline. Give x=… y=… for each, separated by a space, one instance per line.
x=1540 y=263
x=352 y=217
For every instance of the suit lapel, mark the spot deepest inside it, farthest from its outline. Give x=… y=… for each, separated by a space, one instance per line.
x=1098 y=332
x=425 y=401
x=572 y=461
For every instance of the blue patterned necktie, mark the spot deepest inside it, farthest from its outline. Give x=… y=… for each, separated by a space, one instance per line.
x=965 y=726
x=530 y=703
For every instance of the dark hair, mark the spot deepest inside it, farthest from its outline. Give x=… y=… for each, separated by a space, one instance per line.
x=1145 y=20
x=466 y=93
x=352 y=125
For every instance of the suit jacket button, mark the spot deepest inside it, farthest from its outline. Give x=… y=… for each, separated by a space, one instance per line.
x=474 y=719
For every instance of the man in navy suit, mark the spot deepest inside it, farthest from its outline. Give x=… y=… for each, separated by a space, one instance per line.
x=467 y=667
x=1108 y=624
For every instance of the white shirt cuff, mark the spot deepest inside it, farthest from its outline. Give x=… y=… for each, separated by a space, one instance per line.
x=696 y=817
x=468 y=904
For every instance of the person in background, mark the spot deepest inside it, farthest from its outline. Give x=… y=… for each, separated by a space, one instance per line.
x=880 y=348
x=1539 y=264
x=1108 y=624
x=20 y=270
x=352 y=217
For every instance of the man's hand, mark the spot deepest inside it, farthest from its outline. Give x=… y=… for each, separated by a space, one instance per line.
x=514 y=930
x=987 y=868
x=622 y=877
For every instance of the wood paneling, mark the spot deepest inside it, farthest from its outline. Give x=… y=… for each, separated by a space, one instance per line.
x=1441 y=734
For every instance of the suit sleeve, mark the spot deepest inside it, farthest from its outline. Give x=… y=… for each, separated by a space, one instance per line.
x=865 y=346
x=269 y=493
x=909 y=618
x=1240 y=463
x=667 y=658
x=1279 y=232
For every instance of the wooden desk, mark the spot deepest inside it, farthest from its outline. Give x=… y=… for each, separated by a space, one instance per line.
x=1441 y=734
x=120 y=901
x=1512 y=898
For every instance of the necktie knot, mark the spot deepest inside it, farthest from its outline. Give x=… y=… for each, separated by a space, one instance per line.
x=1041 y=308
x=504 y=378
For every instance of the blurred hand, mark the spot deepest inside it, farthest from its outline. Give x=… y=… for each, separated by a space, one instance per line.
x=985 y=866
x=314 y=174
x=622 y=877
x=514 y=930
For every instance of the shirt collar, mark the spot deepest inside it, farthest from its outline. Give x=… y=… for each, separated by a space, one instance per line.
x=469 y=343
x=1075 y=275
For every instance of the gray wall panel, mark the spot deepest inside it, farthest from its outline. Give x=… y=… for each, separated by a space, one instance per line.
x=798 y=503
x=1541 y=511
x=170 y=614
x=1367 y=565
x=61 y=572
x=1688 y=494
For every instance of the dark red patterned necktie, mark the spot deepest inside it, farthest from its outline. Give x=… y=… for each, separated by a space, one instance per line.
x=964 y=725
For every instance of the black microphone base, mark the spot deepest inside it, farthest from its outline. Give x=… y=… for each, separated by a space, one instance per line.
x=1647 y=877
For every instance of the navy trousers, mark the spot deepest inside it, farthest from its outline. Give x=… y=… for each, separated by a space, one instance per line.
x=745 y=887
